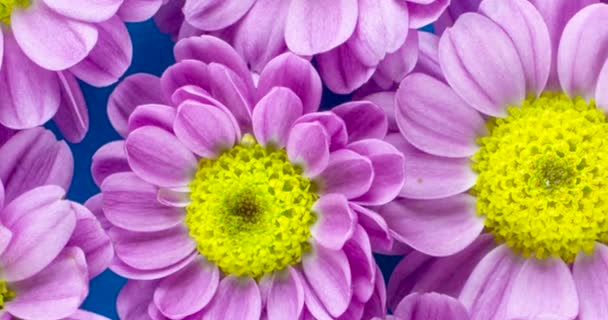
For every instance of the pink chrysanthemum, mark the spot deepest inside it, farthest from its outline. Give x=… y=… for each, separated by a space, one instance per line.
x=512 y=145
x=348 y=38
x=50 y=247
x=46 y=45
x=235 y=200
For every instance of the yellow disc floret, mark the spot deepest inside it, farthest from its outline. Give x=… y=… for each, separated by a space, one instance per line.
x=251 y=210
x=6 y=8
x=6 y=294
x=543 y=171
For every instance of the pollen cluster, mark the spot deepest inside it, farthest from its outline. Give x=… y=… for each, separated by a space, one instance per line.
x=542 y=174
x=6 y=7
x=251 y=210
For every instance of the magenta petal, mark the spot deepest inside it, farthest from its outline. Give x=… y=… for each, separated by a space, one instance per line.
x=438 y=227
x=386 y=101
x=85 y=315
x=35 y=158
x=321 y=25
x=183 y=73
x=236 y=299
x=134 y=298
x=260 y=35
x=42 y=224
x=274 y=115
x=376 y=228
x=72 y=117
x=138 y=10
x=156 y=115
x=125 y=270
x=159 y=157
x=204 y=129
x=590 y=279
x=528 y=31
x=110 y=57
x=87 y=10
x=314 y=309
x=362 y=264
x=285 y=294
x=434 y=119
x=36 y=29
x=188 y=290
x=347 y=173
x=363 y=119
x=211 y=15
x=375 y=307
x=482 y=65
x=233 y=92
x=333 y=125
x=152 y=250
x=109 y=159
x=432 y=177
x=335 y=223
x=488 y=288
x=133 y=91
x=395 y=66
x=428 y=55
x=431 y=306
x=90 y=237
x=550 y=279
x=342 y=72
x=582 y=51
x=5 y=238
x=389 y=171
x=295 y=73
x=49 y=296
x=130 y=203
x=423 y=13
x=20 y=106
x=308 y=146
x=329 y=275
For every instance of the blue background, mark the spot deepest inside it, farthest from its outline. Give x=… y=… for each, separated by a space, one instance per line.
x=152 y=54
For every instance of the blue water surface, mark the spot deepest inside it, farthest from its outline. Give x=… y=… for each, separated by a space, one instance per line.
x=152 y=54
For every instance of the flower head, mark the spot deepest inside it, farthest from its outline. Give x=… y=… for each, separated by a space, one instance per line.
x=50 y=247
x=348 y=38
x=227 y=193
x=497 y=145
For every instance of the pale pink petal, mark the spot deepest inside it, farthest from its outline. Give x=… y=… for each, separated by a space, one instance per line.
x=236 y=299
x=86 y=10
x=335 y=222
x=590 y=277
x=285 y=294
x=274 y=115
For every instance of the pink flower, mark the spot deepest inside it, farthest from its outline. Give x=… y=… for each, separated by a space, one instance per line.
x=232 y=200
x=50 y=247
x=46 y=45
x=348 y=38
x=505 y=148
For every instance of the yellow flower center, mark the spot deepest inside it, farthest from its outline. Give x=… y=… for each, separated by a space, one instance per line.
x=6 y=7
x=251 y=210
x=6 y=294
x=543 y=175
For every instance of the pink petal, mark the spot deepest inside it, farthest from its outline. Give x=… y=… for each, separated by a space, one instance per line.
x=187 y=291
x=320 y=25
x=423 y=13
x=134 y=90
x=362 y=264
x=285 y=296
x=36 y=29
x=20 y=106
x=342 y=72
x=526 y=28
x=156 y=115
x=439 y=227
x=582 y=51
x=110 y=57
x=335 y=221
x=434 y=119
x=49 y=296
x=376 y=228
x=543 y=287
x=125 y=270
x=431 y=306
x=130 y=203
x=428 y=55
x=35 y=158
x=274 y=115
x=236 y=299
x=134 y=298
x=363 y=119
x=138 y=10
x=87 y=10
x=159 y=157
x=233 y=92
x=72 y=117
x=591 y=278
x=41 y=223
x=308 y=146
x=295 y=73
x=204 y=129
x=333 y=125
x=482 y=65
x=432 y=177
x=109 y=159
x=395 y=66
x=601 y=92
x=347 y=173
x=211 y=15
